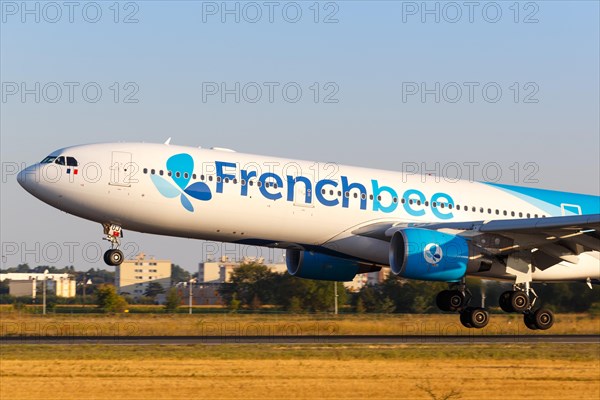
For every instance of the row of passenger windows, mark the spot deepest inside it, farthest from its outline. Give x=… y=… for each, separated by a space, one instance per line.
x=363 y=196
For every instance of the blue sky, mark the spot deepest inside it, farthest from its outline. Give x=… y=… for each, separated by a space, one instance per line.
x=547 y=114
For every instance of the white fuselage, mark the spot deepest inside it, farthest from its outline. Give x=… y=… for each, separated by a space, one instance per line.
x=233 y=197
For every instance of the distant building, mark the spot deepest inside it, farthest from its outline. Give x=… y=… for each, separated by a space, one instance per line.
x=375 y=278
x=22 y=288
x=132 y=277
x=203 y=294
x=29 y=284
x=221 y=271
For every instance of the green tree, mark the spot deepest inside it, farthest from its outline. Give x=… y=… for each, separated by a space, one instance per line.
x=153 y=289
x=234 y=303
x=360 y=306
x=109 y=300
x=179 y=274
x=250 y=281
x=173 y=300
x=295 y=305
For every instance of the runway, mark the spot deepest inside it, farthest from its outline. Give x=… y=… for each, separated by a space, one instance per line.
x=289 y=340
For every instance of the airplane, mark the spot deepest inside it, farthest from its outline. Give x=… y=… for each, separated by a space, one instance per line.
x=334 y=221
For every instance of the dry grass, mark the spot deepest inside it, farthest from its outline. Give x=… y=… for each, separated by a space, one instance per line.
x=224 y=372
x=265 y=324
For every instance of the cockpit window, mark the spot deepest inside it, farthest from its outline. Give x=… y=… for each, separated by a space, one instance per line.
x=60 y=160
x=71 y=162
x=48 y=160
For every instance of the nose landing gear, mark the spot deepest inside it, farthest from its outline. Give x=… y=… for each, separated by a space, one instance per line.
x=112 y=233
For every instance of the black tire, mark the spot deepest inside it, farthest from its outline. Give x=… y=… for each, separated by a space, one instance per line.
x=543 y=319
x=465 y=318
x=456 y=300
x=529 y=321
x=479 y=318
x=442 y=300
x=107 y=257
x=519 y=301
x=115 y=257
x=504 y=301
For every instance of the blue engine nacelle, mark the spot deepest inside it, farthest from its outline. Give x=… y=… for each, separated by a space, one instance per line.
x=428 y=255
x=311 y=265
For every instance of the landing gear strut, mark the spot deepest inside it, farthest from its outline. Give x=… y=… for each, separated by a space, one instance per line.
x=457 y=299
x=521 y=300
x=112 y=233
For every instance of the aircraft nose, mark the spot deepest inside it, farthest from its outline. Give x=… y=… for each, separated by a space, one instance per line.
x=27 y=177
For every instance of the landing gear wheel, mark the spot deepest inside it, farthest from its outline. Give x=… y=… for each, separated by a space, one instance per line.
x=519 y=301
x=106 y=259
x=442 y=300
x=543 y=319
x=465 y=318
x=113 y=257
x=529 y=321
x=479 y=318
x=456 y=300
x=450 y=300
x=504 y=301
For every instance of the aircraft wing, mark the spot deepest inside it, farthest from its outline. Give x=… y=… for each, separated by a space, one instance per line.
x=554 y=239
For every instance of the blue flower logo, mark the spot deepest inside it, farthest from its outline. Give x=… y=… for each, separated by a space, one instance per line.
x=433 y=253
x=181 y=167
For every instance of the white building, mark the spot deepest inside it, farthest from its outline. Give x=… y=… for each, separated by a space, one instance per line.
x=220 y=271
x=132 y=277
x=28 y=284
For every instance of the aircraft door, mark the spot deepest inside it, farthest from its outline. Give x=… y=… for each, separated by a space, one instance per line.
x=121 y=169
x=300 y=196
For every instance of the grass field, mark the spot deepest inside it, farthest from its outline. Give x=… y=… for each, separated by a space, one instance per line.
x=273 y=372
x=15 y=323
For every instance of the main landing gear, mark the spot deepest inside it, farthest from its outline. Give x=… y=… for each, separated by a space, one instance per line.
x=457 y=299
x=112 y=233
x=521 y=300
